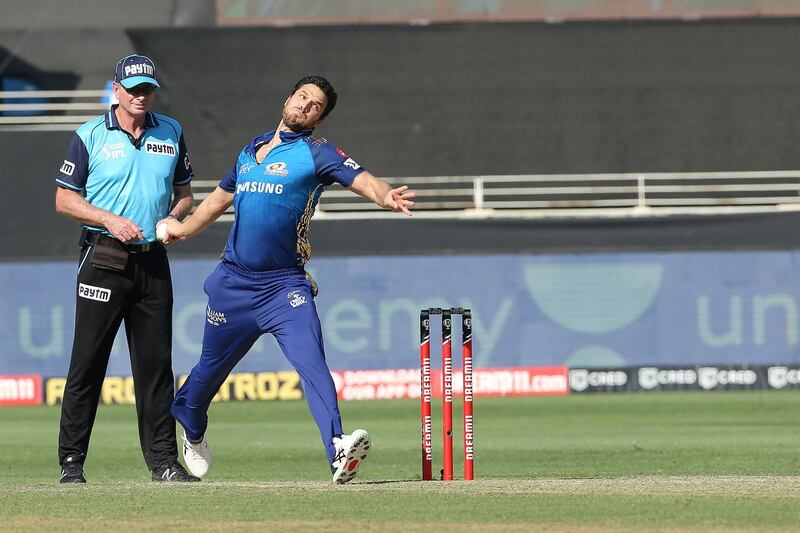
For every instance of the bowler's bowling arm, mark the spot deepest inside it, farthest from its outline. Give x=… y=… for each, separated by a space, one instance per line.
x=207 y=212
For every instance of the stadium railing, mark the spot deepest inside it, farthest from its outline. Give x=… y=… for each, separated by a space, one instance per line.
x=512 y=196
x=49 y=110
x=573 y=195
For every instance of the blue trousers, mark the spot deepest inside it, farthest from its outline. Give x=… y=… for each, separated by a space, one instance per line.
x=242 y=306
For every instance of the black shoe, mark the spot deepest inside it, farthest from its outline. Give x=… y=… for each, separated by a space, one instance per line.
x=173 y=471
x=72 y=470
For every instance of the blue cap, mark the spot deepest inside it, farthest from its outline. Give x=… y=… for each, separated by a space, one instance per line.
x=134 y=69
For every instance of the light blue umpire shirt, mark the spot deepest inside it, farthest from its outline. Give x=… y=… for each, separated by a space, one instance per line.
x=128 y=177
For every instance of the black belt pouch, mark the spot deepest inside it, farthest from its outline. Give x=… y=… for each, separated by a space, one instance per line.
x=109 y=254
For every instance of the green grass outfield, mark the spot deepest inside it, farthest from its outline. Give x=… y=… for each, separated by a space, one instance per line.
x=646 y=461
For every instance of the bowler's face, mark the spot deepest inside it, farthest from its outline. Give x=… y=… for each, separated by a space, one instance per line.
x=303 y=110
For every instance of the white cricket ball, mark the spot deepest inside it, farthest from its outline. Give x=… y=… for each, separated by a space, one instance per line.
x=161 y=231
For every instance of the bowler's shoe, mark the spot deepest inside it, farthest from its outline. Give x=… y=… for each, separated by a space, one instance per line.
x=351 y=450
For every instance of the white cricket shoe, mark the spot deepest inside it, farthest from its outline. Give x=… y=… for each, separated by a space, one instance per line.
x=351 y=450
x=197 y=456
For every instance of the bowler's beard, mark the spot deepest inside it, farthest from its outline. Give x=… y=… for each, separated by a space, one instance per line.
x=293 y=122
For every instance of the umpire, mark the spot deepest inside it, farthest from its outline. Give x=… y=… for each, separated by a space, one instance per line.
x=124 y=172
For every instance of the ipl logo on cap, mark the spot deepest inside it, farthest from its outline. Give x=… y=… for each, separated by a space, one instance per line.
x=134 y=70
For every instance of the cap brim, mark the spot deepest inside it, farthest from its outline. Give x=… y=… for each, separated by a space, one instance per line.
x=130 y=83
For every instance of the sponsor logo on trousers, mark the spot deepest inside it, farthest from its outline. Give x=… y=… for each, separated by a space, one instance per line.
x=94 y=293
x=215 y=318
x=296 y=299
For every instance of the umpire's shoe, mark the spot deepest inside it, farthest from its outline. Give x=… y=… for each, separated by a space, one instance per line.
x=173 y=471
x=72 y=470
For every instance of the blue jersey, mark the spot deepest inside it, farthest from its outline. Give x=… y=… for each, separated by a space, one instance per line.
x=274 y=200
x=133 y=179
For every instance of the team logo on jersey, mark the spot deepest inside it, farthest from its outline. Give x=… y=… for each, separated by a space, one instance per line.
x=215 y=318
x=352 y=164
x=91 y=292
x=113 y=151
x=160 y=148
x=68 y=167
x=245 y=168
x=296 y=299
x=276 y=169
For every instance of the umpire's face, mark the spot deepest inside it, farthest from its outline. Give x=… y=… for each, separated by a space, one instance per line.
x=137 y=100
x=303 y=110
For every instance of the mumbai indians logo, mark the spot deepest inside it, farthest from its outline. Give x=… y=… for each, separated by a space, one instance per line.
x=277 y=169
x=296 y=299
x=159 y=148
x=215 y=318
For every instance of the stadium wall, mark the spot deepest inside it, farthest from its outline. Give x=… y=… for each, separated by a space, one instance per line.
x=458 y=99
x=466 y=99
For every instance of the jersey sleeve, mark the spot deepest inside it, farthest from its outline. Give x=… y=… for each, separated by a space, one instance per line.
x=183 y=168
x=75 y=169
x=228 y=183
x=332 y=164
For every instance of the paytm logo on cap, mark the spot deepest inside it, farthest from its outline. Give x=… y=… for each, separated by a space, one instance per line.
x=138 y=69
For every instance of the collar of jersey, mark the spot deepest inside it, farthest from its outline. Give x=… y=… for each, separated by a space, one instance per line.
x=286 y=137
x=150 y=120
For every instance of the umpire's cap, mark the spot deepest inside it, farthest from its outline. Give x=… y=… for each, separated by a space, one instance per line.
x=134 y=69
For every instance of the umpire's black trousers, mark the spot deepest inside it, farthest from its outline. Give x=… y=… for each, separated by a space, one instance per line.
x=141 y=295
